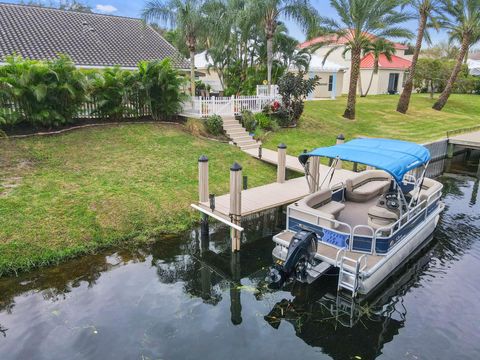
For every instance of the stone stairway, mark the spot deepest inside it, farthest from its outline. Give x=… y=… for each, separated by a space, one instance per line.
x=239 y=136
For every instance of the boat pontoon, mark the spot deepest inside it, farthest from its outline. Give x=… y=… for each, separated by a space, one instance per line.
x=367 y=224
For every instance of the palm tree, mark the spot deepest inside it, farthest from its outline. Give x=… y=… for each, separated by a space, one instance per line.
x=427 y=10
x=461 y=18
x=187 y=16
x=269 y=13
x=377 y=48
x=359 y=22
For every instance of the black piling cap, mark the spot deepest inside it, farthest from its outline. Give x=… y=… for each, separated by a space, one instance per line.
x=236 y=167
x=282 y=146
x=203 y=158
x=341 y=137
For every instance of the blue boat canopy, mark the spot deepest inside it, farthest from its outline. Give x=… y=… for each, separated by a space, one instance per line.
x=394 y=156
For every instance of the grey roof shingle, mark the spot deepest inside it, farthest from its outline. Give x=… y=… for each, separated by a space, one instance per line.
x=89 y=39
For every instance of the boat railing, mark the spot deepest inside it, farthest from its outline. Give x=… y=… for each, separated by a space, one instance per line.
x=319 y=219
x=411 y=215
x=338 y=187
x=383 y=232
x=374 y=238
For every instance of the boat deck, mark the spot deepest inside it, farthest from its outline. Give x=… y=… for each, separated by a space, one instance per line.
x=329 y=253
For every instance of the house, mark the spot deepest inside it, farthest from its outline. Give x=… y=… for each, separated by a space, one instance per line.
x=330 y=74
x=331 y=78
x=91 y=40
x=206 y=73
x=391 y=75
x=473 y=67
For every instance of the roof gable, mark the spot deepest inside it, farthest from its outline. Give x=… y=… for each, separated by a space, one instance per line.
x=89 y=39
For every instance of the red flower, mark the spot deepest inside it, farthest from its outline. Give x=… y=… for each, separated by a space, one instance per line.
x=275 y=105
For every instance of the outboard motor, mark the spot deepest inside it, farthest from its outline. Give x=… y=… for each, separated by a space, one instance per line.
x=300 y=255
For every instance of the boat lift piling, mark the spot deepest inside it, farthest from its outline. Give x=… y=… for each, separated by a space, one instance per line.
x=236 y=182
x=282 y=161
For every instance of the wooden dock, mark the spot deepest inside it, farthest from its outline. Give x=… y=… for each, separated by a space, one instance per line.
x=276 y=194
x=470 y=140
x=271 y=157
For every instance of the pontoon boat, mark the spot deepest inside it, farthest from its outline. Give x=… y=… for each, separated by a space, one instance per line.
x=366 y=225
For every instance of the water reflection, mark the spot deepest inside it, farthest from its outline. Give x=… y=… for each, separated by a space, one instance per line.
x=178 y=297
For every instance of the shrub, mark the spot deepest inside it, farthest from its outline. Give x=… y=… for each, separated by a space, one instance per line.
x=162 y=85
x=214 y=125
x=196 y=127
x=48 y=93
x=293 y=88
x=109 y=90
x=249 y=121
x=264 y=121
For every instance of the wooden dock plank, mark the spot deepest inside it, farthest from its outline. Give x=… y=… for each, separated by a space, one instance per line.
x=271 y=157
x=472 y=139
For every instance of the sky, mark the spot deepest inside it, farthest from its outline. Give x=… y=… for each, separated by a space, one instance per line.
x=132 y=8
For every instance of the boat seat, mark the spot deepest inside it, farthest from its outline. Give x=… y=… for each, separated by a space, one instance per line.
x=321 y=203
x=366 y=185
x=429 y=187
x=379 y=216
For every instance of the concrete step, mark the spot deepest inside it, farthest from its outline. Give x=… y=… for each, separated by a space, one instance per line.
x=241 y=138
x=236 y=132
x=233 y=127
x=252 y=146
x=231 y=121
x=242 y=143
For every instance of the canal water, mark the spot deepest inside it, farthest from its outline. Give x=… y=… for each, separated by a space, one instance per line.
x=189 y=298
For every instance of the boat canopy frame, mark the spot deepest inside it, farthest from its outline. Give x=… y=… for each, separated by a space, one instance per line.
x=396 y=157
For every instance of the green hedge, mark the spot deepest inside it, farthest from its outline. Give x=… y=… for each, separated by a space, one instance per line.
x=52 y=93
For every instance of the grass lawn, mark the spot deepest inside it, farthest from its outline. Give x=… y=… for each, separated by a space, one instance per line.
x=61 y=196
x=376 y=117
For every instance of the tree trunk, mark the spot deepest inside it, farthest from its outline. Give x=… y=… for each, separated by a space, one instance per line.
x=432 y=89
x=192 y=72
x=404 y=100
x=442 y=100
x=269 y=58
x=374 y=71
x=352 y=89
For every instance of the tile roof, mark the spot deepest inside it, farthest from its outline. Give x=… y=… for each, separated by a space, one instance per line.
x=89 y=39
x=333 y=39
x=383 y=63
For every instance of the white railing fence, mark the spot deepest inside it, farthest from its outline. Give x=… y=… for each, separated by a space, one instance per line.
x=266 y=90
x=225 y=106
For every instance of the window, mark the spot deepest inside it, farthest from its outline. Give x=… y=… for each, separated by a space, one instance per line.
x=330 y=83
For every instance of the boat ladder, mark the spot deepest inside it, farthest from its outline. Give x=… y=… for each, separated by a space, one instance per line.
x=349 y=272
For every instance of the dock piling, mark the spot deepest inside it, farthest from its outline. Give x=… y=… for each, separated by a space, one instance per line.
x=236 y=181
x=314 y=170
x=203 y=178
x=340 y=140
x=450 y=150
x=282 y=160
